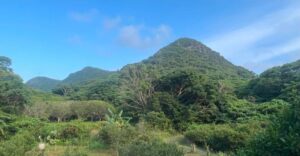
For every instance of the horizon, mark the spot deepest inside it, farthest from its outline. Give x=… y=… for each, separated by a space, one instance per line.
x=109 y=35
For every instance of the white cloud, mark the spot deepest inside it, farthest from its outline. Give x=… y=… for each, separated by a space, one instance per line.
x=83 y=16
x=274 y=35
x=110 y=23
x=286 y=48
x=139 y=36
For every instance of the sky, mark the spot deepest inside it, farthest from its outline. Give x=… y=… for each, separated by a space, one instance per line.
x=54 y=38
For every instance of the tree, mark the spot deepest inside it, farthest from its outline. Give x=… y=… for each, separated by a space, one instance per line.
x=63 y=90
x=13 y=94
x=5 y=64
x=137 y=87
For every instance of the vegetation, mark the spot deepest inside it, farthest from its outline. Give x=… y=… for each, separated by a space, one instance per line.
x=278 y=82
x=184 y=91
x=43 y=83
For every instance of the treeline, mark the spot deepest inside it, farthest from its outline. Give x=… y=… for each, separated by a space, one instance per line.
x=69 y=110
x=279 y=82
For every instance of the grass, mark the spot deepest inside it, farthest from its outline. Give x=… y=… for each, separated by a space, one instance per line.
x=91 y=130
x=60 y=151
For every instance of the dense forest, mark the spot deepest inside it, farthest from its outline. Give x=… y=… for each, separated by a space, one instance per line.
x=184 y=100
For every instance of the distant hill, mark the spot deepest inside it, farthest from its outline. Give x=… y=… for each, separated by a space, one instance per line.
x=86 y=74
x=43 y=83
x=79 y=77
x=277 y=82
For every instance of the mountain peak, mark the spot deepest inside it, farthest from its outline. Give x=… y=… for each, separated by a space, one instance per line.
x=189 y=43
x=187 y=53
x=43 y=83
x=86 y=74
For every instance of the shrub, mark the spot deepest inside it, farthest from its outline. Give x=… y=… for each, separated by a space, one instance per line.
x=96 y=144
x=17 y=145
x=70 y=132
x=151 y=148
x=114 y=136
x=158 y=120
x=223 y=137
x=280 y=138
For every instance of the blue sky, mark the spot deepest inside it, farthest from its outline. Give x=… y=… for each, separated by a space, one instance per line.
x=56 y=37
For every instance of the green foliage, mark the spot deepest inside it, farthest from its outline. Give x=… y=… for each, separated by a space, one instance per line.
x=224 y=137
x=96 y=144
x=69 y=110
x=151 y=148
x=18 y=145
x=86 y=74
x=117 y=118
x=74 y=152
x=98 y=90
x=278 y=82
x=158 y=120
x=242 y=110
x=5 y=64
x=81 y=77
x=115 y=136
x=190 y=54
x=281 y=138
x=70 y=132
x=43 y=83
x=13 y=95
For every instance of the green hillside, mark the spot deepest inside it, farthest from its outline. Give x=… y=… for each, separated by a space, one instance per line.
x=86 y=74
x=189 y=54
x=77 y=78
x=278 y=82
x=43 y=83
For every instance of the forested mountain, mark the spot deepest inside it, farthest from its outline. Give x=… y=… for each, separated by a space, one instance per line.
x=278 y=82
x=77 y=78
x=189 y=54
x=185 y=81
x=43 y=83
x=86 y=74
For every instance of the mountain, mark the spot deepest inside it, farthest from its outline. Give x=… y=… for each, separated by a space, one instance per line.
x=182 y=54
x=43 y=83
x=278 y=82
x=77 y=78
x=189 y=54
x=86 y=74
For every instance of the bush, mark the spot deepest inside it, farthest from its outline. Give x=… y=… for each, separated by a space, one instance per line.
x=152 y=148
x=223 y=137
x=114 y=136
x=280 y=138
x=158 y=120
x=70 y=132
x=96 y=144
x=17 y=145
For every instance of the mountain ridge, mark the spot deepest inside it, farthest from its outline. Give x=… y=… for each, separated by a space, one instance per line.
x=184 y=53
x=85 y=74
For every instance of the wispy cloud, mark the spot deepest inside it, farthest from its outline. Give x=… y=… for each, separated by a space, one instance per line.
x=140 y=36
x=110 y=23
x=86 y=16
x=262 y=41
